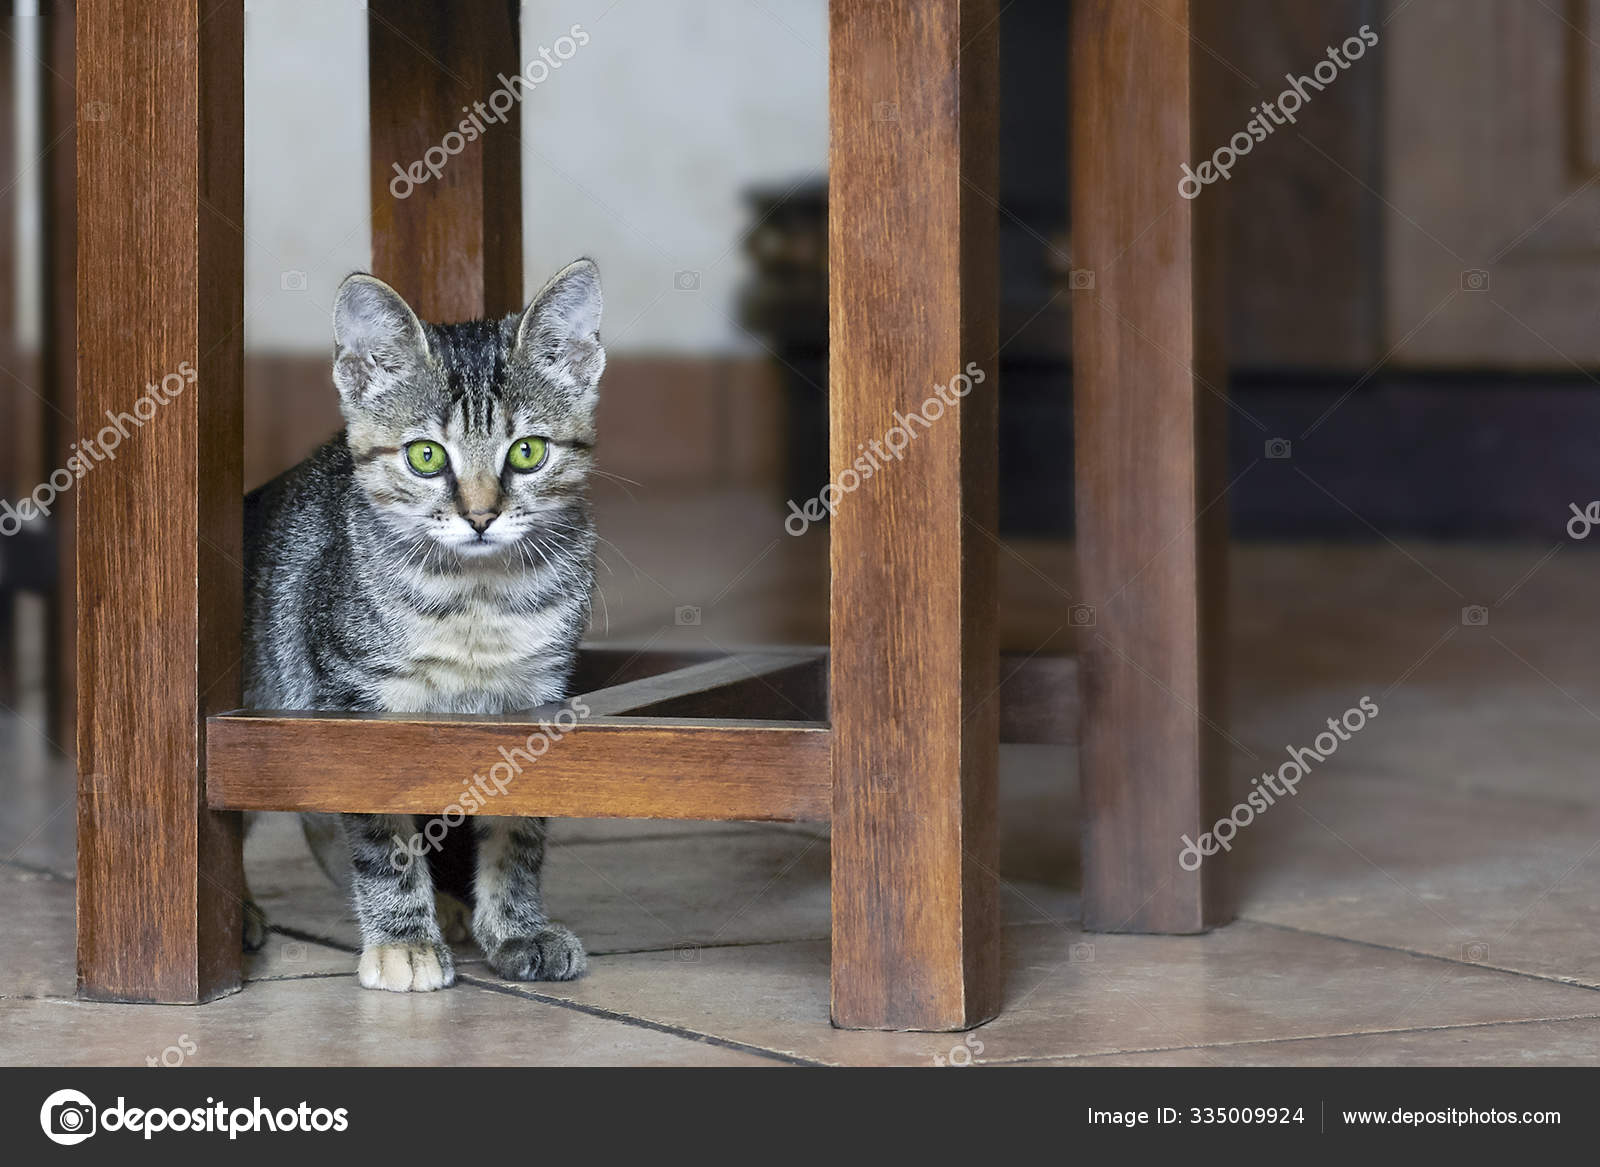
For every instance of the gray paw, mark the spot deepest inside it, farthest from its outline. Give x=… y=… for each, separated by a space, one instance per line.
x=253 y=934
x=551 y=954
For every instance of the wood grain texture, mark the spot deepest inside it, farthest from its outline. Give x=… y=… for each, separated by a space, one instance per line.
x=160 y=286
x=59 y=356
x=452 y=245
x=1147 y=408
x=602 y=767
x=912 y=299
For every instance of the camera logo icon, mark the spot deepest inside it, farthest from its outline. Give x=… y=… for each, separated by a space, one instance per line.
x=68 y=1117
x=686 y=281
x=1475 y=953
x=1474 y=279
x=686 y=954
x=686 y=616
x=1279 y=448
x=1081 y=616
x=292 y=281
x=1081 y=279
x=886 y=111
x=1475 y=616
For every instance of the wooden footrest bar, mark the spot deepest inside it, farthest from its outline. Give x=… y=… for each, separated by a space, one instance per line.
x=663 y=734
x=600 y=767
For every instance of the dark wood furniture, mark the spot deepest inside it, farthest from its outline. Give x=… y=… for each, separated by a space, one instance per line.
x=893 y=735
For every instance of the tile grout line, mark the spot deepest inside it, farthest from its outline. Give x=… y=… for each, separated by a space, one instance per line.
x=642 y=1022
x=1350 y=1035
x=1543 y=978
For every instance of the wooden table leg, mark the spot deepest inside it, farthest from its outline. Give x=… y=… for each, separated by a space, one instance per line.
x=451 y=244
x=912 y=306
x=1147 y=392
x=160 y=302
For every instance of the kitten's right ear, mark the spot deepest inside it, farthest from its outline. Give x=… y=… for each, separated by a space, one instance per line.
x=377 y=339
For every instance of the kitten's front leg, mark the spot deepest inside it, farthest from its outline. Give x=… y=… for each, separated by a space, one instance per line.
x=401 y=947
x=519 y=940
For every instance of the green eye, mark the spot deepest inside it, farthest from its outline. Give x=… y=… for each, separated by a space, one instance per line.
x=426 y=458
x=526 y=454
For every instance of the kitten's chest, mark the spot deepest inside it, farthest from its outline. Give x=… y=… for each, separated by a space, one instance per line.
x=480 y=657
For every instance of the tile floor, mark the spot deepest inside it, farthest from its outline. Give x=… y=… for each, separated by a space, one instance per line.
x=1431 y=895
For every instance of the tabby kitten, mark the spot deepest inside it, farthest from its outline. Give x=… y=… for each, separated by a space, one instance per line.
x=437 y=557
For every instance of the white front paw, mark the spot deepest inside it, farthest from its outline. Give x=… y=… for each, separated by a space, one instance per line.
x=406 y=968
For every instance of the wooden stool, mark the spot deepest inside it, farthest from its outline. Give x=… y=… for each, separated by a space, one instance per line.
x=897 y=745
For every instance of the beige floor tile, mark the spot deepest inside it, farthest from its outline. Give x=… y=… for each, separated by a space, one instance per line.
x=1071 y=993
x=36 y=944
x=1514 y=884
x=1535 y=1043
x=332 y=1021
x=39 y=788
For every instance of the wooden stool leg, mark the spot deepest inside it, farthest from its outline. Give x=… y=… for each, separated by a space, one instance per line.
x=912 y=305
x=160 y=302
x=1149 y=445
x=451 y=245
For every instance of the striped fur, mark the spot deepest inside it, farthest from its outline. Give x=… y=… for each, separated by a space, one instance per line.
x=372 y=587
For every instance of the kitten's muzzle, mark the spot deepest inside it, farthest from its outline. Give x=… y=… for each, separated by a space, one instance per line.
x=480 y=520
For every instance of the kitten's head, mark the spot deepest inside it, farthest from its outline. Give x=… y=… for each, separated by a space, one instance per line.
x=470 y=435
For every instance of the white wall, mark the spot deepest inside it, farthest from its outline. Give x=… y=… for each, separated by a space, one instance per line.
x=305 y=166
x=636 y=152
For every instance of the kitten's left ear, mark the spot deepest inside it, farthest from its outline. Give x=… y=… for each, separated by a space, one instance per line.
x=559 y=333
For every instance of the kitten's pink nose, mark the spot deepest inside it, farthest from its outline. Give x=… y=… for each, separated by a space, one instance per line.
x=480 y=520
